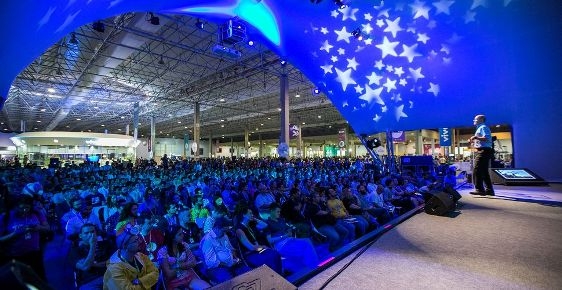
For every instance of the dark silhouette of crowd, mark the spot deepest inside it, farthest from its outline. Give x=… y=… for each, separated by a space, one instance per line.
x=189 y=224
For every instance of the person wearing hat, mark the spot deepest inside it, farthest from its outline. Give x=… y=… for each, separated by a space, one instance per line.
x=127 y=268
x=219 y=254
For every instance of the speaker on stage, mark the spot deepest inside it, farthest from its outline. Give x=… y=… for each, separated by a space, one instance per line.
x=440 y=203
x=259 y=278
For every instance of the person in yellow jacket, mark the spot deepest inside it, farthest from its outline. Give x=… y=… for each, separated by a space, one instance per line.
x=128 y=268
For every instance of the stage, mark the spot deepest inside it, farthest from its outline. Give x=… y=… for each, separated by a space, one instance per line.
x=509 y=241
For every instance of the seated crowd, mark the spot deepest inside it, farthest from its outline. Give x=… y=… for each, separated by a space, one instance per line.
x=191 y=224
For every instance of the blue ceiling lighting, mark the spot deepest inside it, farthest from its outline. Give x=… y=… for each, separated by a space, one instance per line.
x=418 y=64
x=259 y=15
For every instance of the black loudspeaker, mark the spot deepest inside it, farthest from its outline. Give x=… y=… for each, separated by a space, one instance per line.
x=440 y=203
x=259 y=278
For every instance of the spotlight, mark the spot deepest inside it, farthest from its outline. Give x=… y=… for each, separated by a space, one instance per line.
x=251 y=43
x=154 y=20
x=283 y=62
x=98 y=26
x=357 y=34
x=199 y=24
x=315 y=91
x=73 y=39
x=374 y=143
x=340 y=4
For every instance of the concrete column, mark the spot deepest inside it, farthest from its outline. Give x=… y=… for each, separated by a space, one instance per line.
x=284 y=105
x=419 y=142
x=432 y=146
x=136 y=110
x=152 y=137
x=22 y=126
x=210 y=144
x=231 y=149
x=260 y=152
x=127 y=130
x=246 y=141
x=196 y=130
x=299 y=145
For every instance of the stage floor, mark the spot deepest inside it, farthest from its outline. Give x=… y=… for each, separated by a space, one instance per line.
x=509 y=241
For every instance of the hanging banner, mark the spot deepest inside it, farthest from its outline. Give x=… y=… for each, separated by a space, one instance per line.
x=342 y=138
x=294 y=131
x=445 y=136
x=330 y=151
x=399 y=136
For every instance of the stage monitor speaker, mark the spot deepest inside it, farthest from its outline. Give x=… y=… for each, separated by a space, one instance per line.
x=440 y=203
x=259 y=278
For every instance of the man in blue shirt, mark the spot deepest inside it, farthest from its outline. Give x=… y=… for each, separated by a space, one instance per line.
x=482 y=141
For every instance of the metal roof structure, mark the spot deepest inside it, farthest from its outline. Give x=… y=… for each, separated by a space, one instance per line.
x=89 y=81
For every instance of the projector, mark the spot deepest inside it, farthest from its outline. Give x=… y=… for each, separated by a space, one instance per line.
x=227 y=52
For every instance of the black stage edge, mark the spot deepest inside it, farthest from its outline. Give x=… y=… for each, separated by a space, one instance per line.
x=515 y=176
x=302 y=276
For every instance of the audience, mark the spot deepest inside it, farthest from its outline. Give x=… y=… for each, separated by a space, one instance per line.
x=284 y=201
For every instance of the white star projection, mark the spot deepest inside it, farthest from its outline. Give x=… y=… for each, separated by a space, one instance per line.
x=327 y=68
x=344 y=77
x=374 y=79
x=443 y=6
x=387 y=47
x=352 y=63
x=372 y=95
x=326 y=46
x=393 y=26
x=343 y=35
x=400 y=57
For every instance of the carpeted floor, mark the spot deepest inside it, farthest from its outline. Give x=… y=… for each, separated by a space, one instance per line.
x=510 y=241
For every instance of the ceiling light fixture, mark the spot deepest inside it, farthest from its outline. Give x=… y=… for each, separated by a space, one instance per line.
x=98 y=26
x=357 y=34
x=161 y=61
x=154 y=20
x=199 y=24
x=315 y=91
x=340 y=4
x=73 y=39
